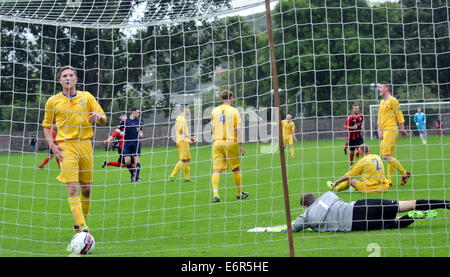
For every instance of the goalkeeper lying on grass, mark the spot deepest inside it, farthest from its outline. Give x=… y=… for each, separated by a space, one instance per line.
x=329 y=213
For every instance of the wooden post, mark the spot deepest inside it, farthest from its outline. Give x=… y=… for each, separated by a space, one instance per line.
x=276 y=98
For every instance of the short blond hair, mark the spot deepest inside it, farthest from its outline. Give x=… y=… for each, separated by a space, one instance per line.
x=67 y=67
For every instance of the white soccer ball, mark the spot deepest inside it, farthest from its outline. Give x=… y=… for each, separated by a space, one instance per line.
x=82 y=243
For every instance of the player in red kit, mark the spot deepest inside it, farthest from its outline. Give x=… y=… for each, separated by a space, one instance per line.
x=117 y=134
x=50 y=153
x=438 y=125
x=346 y=147
x=354 y=124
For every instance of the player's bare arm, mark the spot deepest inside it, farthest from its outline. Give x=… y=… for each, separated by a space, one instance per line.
x=109 y=139
x=186 y=135
x=240 y=140
x=380 y=132
x=97 y=117
x=56 y=149
x=242 y=149
x=355 y=127
x=402 y=130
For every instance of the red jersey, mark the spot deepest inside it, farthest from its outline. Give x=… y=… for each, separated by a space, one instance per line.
x=120 y=137
x=354 y=120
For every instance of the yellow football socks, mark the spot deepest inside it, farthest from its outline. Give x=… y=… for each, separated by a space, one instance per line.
x=77 y=210
x=342 y=186
x=215 y=183
x=85 y=205
x=187 y=171
x=176 y=170
x=237 y=177
x=397 y=165
x=390 y=171
x=393 y=164
x=292 y=152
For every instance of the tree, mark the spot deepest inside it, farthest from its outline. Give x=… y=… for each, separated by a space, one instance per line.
x=330 y=51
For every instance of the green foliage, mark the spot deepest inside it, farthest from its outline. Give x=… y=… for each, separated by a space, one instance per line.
x=331 y=44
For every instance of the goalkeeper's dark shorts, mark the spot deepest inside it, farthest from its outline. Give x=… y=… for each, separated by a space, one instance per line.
x=374 y=214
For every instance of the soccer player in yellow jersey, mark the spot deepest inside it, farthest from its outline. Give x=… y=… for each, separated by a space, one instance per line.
x=390 y=122
x=370 y=168
x=289 y=133
x=183 y=140
x=227 y=134
x=73 y=112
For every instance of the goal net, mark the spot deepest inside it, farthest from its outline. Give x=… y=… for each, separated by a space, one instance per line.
x=158 y=56
x=436 y=114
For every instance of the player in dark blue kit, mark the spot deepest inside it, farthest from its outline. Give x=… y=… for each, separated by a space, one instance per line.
x=131 y=130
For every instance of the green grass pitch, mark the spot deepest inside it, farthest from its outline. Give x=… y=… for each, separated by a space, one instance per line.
x=160 y=218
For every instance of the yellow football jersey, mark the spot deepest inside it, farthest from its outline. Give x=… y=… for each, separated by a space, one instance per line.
x=182 y=129
x=288 y=127
x=71 y=115
x=389 y=114
x=371 y=170
x=225 y=120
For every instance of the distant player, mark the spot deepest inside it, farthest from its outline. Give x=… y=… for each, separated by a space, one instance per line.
x=121 y=161
x=50 y=153
x=183 y=140
x=354 y=125
x=227 y=135
x=131 y=130
x=390 y=122
x=33 y=143
x=421 y=122
x=288 y=127
x=370 y=168
x=438 y=124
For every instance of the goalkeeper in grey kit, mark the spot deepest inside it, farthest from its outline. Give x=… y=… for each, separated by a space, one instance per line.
x=329 y=213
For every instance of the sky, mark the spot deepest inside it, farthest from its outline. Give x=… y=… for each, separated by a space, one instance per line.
x=253 y=10
x=262 y=7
